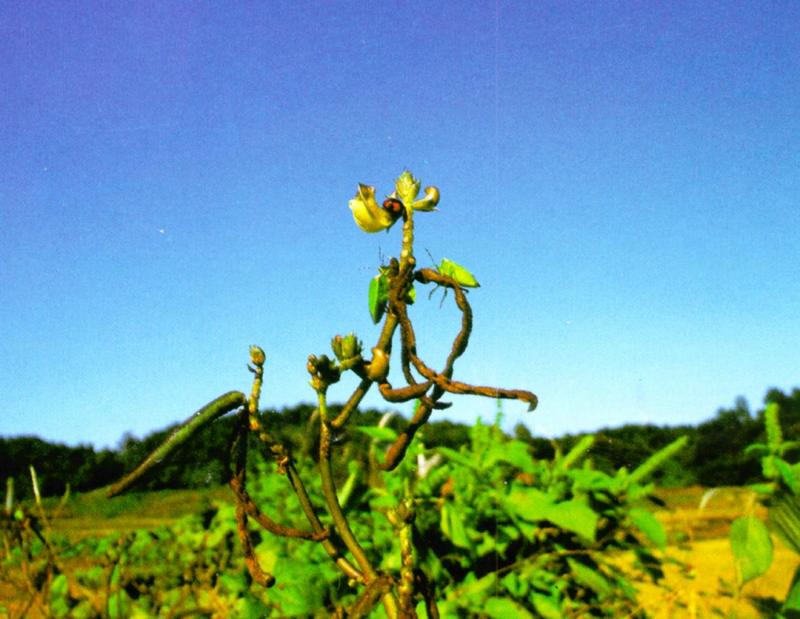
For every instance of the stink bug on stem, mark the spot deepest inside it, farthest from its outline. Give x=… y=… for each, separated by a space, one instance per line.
x=456 y=272
x=379 y=291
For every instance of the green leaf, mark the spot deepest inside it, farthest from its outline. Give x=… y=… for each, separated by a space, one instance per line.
x=515 y=585
x=589 y=577
x=455 y=271
x=773 y=425
x=792 y=601
x=59 y=596
x=514 y=453
x=234 y=583
x=647 y=523
x=577 y=452
x=502 y=608
x=758 y=449
x=534 y=506
x=764 y=489
x=346 y=490
x=785 y=470
x=656 y=460
x=59 y=587
x=473 y=589
x=300 y=591
x=784 y=515
x=251 y=608
x=458 y=458
x=547 y=606
x=751 y=546
x=528 y=504
x=453 y=526
x=575 y=516
x=378 y=433
x=119 y=604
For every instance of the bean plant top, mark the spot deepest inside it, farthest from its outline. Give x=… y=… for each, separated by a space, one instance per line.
x=391 y=292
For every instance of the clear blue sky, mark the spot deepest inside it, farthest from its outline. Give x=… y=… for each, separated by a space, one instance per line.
x=622 y=178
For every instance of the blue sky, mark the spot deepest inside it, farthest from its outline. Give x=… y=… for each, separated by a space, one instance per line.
x=622 y=178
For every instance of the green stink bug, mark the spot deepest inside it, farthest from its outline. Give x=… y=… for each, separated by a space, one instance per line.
x=379 y=292
x=455 y=271
x=378 y=295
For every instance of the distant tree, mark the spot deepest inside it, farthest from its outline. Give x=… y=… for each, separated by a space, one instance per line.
x=713 y=457
x=718 y=450
x=542 y=448
x=632 y=444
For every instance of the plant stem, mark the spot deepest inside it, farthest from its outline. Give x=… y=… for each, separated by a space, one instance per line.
x=297 y=484
x=329 y=490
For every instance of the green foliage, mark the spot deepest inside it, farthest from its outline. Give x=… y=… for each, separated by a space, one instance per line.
x=752 y=548
x=712 y=457
x=749 y=537
x=481 y=526
x=513 y=534
x=496 y=529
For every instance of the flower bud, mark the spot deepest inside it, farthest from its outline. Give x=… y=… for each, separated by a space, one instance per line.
x=351 y=346
x=407 y=187
x=347 y=350
x=323 y=372
x=257 y=356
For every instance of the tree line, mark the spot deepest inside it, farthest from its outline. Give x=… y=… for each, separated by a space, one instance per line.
x=714 y=456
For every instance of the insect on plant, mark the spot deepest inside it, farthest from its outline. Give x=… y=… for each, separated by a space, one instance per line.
x=391 y=292
x=454 y=271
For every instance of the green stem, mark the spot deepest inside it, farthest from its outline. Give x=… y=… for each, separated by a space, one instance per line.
x=335 y=509
x=384 y=343
x=407 y=250
x=329 y=491
x=305 y=502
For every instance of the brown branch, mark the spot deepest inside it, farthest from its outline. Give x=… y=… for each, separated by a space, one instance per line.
x=462 y=339
x=251 y=509
x=286 y=465
x=352 y=403
x=397 y=450
x=442 y=380
x=237 y=482
x=425 y=586
x=403 y=394
x=251 y=560
x=453 y=386
x=370 y=597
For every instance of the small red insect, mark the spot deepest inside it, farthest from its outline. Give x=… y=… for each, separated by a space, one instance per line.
x=394 y=206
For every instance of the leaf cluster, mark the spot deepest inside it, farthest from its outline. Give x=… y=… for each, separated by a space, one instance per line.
x=779 y=491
